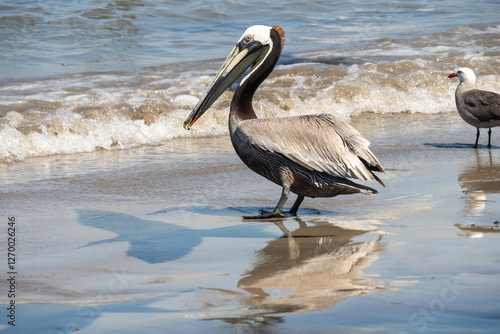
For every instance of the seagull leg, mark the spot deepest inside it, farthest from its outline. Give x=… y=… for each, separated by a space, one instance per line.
x=489 y=138
x=278 y=210
x=296 y=205
x=477 y=138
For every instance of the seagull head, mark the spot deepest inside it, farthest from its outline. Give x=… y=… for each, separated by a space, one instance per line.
x=465 y=75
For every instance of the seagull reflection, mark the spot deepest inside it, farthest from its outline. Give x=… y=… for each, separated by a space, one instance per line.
x=479 y=178
x=308 y=269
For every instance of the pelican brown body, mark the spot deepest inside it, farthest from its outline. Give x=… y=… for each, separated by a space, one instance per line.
x=310 y=155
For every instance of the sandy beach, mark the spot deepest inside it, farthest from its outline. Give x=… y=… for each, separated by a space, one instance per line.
x=151 y=240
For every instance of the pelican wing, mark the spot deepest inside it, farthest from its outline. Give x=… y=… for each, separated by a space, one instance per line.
x=322 y=143
x=484 y=105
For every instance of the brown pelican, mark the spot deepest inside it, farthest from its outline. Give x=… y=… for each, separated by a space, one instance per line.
x=311 y=156
x=477 y=107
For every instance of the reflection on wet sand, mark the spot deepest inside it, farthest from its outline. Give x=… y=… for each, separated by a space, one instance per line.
x=479 y=178
x=476 y=231
x=308 y=269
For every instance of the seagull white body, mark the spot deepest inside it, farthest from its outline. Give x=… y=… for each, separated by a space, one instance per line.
x=479 y=108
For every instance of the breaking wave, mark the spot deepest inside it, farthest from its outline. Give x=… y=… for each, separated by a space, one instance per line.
x=92 y=111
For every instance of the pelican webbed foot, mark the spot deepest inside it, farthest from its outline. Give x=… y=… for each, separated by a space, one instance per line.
x=266 y=215
x=278 y=211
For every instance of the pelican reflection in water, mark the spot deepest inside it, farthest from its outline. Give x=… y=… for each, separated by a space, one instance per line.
x=310 y=155
x=310 y=268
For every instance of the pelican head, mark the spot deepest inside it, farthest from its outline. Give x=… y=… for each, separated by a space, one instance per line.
x=252 y=49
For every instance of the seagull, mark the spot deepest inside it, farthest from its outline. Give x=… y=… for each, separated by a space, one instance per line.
x=309 y=155
x=479 y=108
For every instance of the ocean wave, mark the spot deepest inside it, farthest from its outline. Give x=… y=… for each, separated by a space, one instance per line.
x=92 y=111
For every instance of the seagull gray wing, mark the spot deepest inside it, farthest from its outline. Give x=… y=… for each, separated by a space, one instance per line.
x=322 y=143
x=484 y=105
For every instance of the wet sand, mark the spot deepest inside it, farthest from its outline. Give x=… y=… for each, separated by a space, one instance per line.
x=151 y=240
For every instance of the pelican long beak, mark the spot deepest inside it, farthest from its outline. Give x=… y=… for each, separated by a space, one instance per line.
x=238 y=61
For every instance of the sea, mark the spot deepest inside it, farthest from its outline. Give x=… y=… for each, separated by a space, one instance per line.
x=88 y=75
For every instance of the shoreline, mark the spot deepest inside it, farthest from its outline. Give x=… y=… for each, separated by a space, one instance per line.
x=152 y=238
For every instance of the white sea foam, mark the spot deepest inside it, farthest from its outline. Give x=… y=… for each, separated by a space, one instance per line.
x=87 y=112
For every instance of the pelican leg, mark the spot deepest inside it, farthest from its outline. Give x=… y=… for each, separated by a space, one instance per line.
x=278 y=210
x=296 y=205
x=489 y=138
x=477 y=137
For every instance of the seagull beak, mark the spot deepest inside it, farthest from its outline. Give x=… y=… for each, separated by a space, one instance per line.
x=238 y=61
x=452 y=75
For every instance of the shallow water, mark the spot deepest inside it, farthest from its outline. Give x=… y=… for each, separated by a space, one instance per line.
x=152 y=238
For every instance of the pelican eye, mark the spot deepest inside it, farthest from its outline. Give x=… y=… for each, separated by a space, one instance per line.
x=248 y=39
